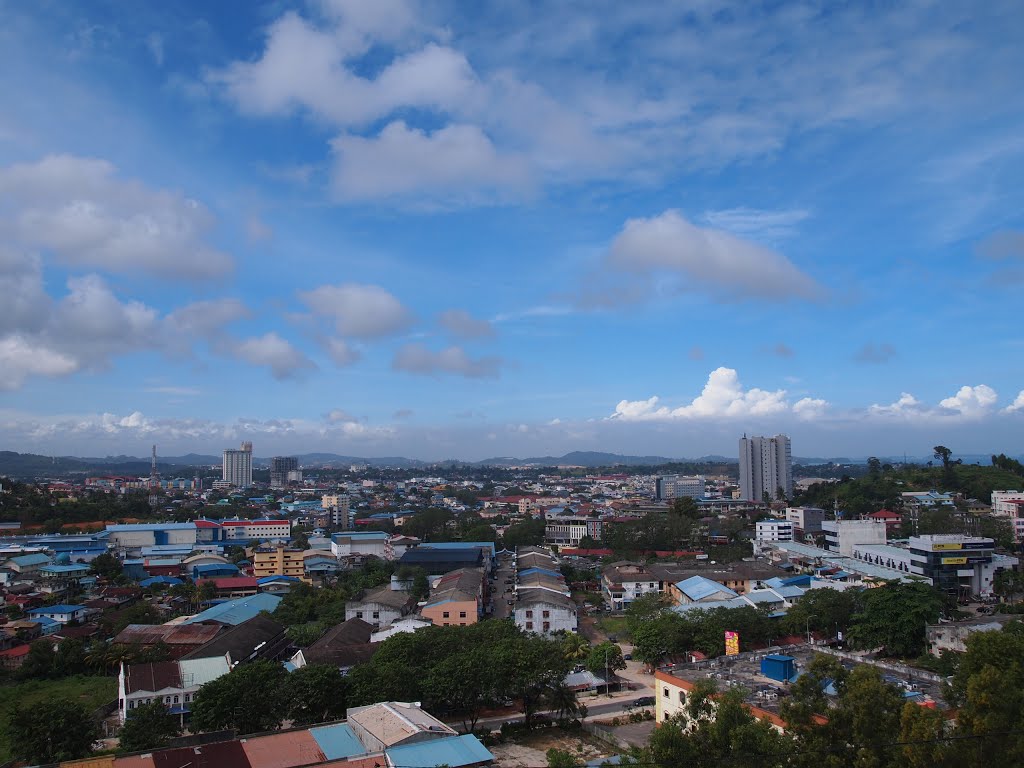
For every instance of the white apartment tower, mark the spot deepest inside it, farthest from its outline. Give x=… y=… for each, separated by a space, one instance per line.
x=237 y=466
x=766 y=464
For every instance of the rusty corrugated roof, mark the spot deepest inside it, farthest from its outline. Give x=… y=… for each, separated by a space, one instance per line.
x=283 y=750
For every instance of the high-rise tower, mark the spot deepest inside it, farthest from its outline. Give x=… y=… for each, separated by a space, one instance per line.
x=766 y=465
x=237 y=466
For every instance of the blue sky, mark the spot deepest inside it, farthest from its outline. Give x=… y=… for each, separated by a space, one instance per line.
x=462 y=230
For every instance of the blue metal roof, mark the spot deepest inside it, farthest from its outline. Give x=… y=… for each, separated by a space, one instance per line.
x=277 y=577
x=169 y=580
x=234 y=612
x=556 y=574
x=698 y=588
x=64 y=568
x=37 y=559
x=453 y=751
x=337 y=741
x=214 y=568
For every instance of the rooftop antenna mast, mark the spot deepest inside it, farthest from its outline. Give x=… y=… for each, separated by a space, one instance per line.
x=154 y=473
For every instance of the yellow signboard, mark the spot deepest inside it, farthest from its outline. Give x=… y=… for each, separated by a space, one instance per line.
x=732 y=643
x=938 y=547
x=954 y=561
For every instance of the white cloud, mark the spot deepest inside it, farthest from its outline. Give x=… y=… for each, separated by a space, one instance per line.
x=20 y=358
x=357 y=310
x=283 y=360
x=766 y=226
x=707 y=259
x=907 y=406
x=207 y=318
x=810 y=409
x=452 y=165
x=76 y=209
x=304 y=67
x=341 y=352
x=460 y=323
x=416 y=358
x=723 y=397
x=968 y=404
x=1017 y=406
x=971 y=402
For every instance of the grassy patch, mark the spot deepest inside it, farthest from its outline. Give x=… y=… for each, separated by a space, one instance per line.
x=93 y=692
x=613 y=625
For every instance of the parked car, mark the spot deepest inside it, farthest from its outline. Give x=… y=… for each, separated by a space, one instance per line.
x=644 y=701
x=627 y=656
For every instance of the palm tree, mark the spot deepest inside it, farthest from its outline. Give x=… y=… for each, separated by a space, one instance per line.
x=575 y=646
x=562 y=701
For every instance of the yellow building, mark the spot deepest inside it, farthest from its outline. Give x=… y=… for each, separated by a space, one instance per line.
x=279 y=561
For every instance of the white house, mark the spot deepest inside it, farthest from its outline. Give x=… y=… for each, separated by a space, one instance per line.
x=175 y=683
x=773 y=530
x=544 y=612
x=59 y=613
x=364 y=543
x=380 y=607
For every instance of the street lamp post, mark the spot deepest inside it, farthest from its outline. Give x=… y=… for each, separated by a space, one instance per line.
x=809 y=628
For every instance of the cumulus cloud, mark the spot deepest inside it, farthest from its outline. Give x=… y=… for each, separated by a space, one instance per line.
x=706 y=258
x=875 y=353
x=1017 y=406
x=358 y=310
x=907 y=406
x=341 y=352
x=971 y=402
x=277 y=354
x=78 y=210
x=20 y=358
x=455 y=164
x=304 y=67
x=419 y=359
x=460 y=323
x=207 y=318
x=968 y=404
x=723 y=397
x=809 y=408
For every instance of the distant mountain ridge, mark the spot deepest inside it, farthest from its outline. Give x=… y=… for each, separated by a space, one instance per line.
x=28 y=465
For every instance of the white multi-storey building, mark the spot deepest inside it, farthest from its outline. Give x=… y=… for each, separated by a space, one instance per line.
x=236 y=468
x=670 y=487
x=338 y=507
x=261 y=530
x=544 y=612
x=1004 y=503
x=843 y=535
x=773 y=530
x=807 y=519
x=766 y=465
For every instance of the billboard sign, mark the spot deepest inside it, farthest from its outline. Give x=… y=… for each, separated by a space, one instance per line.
x=732 y=643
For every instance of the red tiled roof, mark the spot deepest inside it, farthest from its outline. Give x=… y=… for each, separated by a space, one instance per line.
x=19 y=650
x=207 y=524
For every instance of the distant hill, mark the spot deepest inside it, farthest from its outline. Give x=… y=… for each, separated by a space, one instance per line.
x=577 y=459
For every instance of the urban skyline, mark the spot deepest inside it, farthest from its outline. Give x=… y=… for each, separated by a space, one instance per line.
x=407 y=229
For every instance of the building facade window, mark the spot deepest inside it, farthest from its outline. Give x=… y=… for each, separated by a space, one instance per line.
x=445 y=614
x=462 y=614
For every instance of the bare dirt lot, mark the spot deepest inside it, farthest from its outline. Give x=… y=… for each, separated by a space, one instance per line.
x=530 y=750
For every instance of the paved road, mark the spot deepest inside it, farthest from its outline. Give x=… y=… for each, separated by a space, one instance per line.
x=597 y=707
x=506 y=569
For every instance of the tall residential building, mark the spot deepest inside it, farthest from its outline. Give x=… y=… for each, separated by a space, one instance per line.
x=237 y=466
x=280 y=469
x=337 y=505
x=766 y=464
